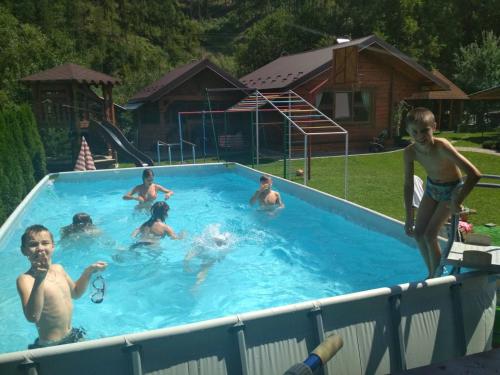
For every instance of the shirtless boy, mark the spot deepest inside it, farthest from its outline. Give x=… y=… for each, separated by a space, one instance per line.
x=445 y=189
x=46 y=290
x=265 y=195
x=147 y=192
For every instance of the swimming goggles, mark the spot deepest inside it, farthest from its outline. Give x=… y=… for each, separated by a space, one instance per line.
x=100 y=286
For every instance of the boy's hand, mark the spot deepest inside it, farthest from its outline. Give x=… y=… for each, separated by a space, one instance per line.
x=40 y=264
x=409 y=228
x=97 y=266
x=455 y=208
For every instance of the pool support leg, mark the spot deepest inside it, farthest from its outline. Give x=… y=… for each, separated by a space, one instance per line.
x=239 y=328
x=397 y=354
x=134 y=352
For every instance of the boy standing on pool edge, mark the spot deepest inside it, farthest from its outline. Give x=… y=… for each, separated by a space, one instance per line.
x=46 y=290
x=444 y=191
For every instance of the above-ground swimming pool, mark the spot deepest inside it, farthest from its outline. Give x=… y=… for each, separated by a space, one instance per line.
x=243 y=314
x=308 y=250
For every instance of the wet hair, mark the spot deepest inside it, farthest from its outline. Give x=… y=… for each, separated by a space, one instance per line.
x=265 y=179
x=147 y=173
x=82 y=218
x=159 y=211
x=33 y=229
x=420 y=115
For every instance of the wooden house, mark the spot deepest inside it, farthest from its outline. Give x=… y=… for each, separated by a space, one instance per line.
x=157 y=106
x=359 y=84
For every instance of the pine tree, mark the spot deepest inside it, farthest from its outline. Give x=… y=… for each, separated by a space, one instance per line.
x=12 y=190
x=33 y=142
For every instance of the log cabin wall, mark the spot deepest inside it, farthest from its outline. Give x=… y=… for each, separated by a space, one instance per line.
x=387 y=87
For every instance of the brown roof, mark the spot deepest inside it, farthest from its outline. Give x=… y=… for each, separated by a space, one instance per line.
x=176 y=77
x=454 y=92
x=72 y=72
x=290 y=71
x=493 y=93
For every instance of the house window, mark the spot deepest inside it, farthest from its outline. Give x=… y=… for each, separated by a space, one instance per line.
x=346 y=106
x=324 y=102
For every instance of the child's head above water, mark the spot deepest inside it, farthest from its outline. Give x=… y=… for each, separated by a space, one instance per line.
x=159 y=210
x=82 y=219
x=266 y=182
x=148 y=174
x=30 y=233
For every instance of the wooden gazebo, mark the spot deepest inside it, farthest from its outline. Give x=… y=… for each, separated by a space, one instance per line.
x=63 y=98
x=448 y=105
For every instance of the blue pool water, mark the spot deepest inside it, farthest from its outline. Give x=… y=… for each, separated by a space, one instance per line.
x=300 y=253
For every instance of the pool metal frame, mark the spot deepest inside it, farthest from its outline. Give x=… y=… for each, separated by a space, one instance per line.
x=384 y=330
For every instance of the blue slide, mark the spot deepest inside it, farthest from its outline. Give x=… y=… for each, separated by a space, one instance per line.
x=114 y=136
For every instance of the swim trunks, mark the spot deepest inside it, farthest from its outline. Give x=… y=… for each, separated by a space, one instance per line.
x=440 y=191
x=75 y=335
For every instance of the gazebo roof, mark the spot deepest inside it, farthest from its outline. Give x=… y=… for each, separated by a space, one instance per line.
x=453 y=93
x=71 y=72
x=493 y=93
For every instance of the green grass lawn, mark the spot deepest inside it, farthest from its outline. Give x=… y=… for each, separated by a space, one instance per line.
x=376 y=181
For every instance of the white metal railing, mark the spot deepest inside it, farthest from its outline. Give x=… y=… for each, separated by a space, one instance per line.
x=169 y=146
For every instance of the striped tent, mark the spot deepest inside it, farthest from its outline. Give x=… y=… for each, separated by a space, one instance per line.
x=85 y=161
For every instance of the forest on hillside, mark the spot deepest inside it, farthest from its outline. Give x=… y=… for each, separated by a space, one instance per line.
x=139 y=41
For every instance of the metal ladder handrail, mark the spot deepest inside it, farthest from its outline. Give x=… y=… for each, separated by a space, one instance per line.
x=455 y=218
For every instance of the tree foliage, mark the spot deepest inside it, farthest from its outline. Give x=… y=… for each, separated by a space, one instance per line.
x=478 y=64
x=139 y=41
x=22 y=157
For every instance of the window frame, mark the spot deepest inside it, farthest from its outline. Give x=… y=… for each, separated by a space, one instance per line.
x=351 y=95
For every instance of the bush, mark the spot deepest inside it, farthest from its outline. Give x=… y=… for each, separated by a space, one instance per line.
x=492 y=145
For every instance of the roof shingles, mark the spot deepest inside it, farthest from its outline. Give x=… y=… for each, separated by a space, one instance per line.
x=72 y=72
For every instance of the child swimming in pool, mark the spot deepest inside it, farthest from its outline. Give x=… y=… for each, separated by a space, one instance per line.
x=46 y=290
x=154 y=229
x=147 y=192
x=210 y=247
x=82 y=224
x=445 y=191
x=266 y=197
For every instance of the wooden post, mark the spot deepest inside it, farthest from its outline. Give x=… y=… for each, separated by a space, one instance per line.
x=74 y=122
x=450 y=123
x=391 y=103
x=440 y=114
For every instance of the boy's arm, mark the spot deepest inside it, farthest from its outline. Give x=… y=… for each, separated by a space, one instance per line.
x=254 y=197
x=471 y=172
x=32 y=296
x=409 y=170
x=279 y=201
x=136 y=232
x=169 y=231
x=79 y=287
x=130 y=195
x=168 y=193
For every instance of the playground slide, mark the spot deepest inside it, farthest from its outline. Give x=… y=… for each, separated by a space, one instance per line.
x=118 y=140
